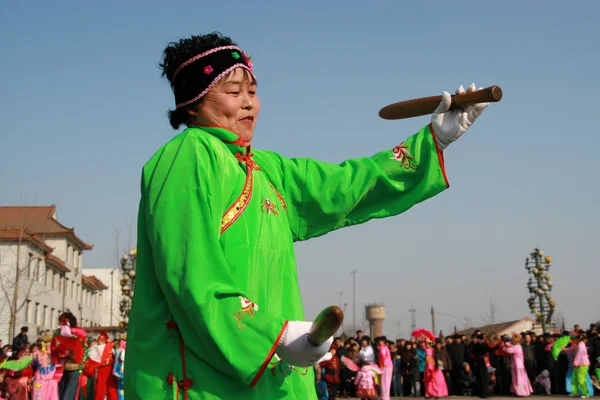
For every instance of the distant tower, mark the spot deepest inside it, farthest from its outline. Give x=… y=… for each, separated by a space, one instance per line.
x=413 y=320
x=375 y=316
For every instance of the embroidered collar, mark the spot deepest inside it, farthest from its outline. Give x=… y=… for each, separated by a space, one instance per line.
x=233 y=142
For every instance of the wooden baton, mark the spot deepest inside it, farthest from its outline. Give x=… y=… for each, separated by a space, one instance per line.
x=325 y=325
x=427 y=105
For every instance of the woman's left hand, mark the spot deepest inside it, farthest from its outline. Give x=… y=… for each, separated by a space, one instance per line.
x=450 y=125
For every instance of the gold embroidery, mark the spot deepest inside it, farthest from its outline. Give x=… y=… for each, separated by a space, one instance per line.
x=248 y=307
x=280 y=197
x=268 y=207
x=242 y=201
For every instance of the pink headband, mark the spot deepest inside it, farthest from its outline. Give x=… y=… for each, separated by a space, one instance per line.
x=199 y=74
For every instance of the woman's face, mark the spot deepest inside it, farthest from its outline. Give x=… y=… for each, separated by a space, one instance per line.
x=232 y=104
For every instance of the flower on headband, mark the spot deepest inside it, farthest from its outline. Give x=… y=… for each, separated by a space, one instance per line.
x=208 y=70
x=248 y=60
x=235 y=54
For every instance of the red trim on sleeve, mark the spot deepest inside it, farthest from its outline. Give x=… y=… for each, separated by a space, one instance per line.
x=440 y=155
x=269 y=356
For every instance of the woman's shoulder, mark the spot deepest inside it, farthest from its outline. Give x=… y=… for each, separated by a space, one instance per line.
x=192 y=138
x=187 y=149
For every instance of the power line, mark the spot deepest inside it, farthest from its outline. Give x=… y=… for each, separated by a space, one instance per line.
x=462 y=318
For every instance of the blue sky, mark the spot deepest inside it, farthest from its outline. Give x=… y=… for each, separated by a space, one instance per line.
x=82 y=107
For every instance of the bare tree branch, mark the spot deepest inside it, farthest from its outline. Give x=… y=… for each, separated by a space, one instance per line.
x=490 y=316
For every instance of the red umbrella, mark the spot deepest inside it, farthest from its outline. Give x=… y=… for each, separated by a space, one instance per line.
x=423 y=332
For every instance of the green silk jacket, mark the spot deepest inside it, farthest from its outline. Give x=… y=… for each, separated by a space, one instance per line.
x=216 y=272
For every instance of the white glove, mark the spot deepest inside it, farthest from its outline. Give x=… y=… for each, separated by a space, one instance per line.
x=450 y=125
x=295 y=349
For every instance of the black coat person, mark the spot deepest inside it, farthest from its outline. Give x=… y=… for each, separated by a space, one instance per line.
x=21 y=340
x=457 y=352
x=479 y=351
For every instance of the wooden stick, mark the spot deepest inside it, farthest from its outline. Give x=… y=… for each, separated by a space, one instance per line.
x=427 y=105
x=325 y=325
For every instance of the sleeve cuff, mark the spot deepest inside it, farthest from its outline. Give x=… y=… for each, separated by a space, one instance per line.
x=440 y=155
x=269 y=356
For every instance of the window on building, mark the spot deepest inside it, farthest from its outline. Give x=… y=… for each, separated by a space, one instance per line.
x=53 y=317
x=45 y=316
x=47 y=276
x=68 y=254
x=27 y=311
x=53 y=274
x=36 y=314
x=72 y=295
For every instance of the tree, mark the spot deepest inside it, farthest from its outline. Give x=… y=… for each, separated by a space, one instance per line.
x=399 y=328
x=468 y=323
x=21 y=272
x=559 y=321
x=490 y=316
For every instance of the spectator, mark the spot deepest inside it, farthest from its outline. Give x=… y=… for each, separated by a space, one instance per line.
x=543 y=383
x=21 y=341
x=466 y=381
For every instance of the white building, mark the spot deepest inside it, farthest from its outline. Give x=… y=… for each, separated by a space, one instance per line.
x=110 y=297
x=525 y=324
x=41 y=273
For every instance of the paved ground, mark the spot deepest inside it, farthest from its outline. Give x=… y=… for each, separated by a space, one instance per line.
x=557 y=397
x=491 y=398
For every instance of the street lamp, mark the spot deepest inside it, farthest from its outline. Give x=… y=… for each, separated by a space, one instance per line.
x=539 y=286
x=127 y=286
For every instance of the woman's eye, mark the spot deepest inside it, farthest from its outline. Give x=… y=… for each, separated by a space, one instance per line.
x=236 y=93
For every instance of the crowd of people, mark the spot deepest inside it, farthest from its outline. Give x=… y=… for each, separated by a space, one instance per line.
x=483 y=365
x=66 y=364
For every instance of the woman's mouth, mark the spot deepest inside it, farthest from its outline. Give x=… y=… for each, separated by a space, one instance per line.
x=247 y=120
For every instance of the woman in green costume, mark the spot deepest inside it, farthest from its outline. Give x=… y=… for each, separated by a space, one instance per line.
x=217 y=312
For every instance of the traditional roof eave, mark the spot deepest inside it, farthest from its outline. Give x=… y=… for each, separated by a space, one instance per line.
x=72 y=236
x=92 y=282
x=19 y=235
x=44 y=218
x=56 y=263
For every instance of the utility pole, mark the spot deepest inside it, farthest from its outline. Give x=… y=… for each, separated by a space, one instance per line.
x=112 y=286
x=353 y=273
x=344 y=310
x=413 y=320
x=340 y=302
x=432 y=320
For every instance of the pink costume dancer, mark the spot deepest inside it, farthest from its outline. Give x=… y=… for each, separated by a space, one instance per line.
x=435 y=382
x=385 y=363
x=365 y=382
x=520 y=381
x=45 y=387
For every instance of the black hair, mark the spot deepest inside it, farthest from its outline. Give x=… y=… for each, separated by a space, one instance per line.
x=72 y=319
x=176 y=53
